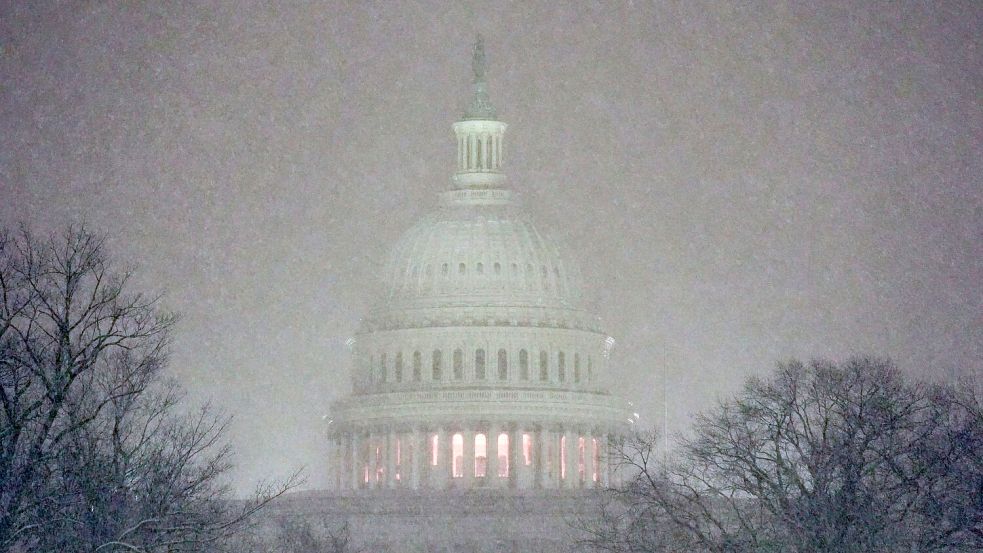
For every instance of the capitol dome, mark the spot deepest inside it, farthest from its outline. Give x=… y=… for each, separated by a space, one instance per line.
x=477 y=367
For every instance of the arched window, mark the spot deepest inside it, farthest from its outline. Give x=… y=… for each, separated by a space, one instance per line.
x=437 y=369
x=417 y=366
x=544 y=366
x=576 y=368
x=434 y=449
x=480 y=456
x=481 y=269
x=523 y=364
x=398 y=373
x=581 y=461
x=458 y=364
x=503 y=455
x=457 y=450
x=461 y=268
x=563 y=457
x=561 y=366
x=503 y=364
x=498 y=268
x=479 y=364
x=382 y=368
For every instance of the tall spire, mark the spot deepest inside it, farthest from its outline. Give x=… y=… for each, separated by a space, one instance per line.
x=481 y=107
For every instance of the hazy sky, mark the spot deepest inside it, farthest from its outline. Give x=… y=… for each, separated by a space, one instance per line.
x=742 y=184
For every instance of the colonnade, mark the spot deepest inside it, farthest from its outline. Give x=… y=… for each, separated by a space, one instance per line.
x=466 y=456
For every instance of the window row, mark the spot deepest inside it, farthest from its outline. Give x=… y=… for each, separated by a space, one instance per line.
x=500 y=448
x=381 y=369
x=447 y=271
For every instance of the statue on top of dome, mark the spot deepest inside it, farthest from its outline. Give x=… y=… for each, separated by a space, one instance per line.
x=481 y=107
x=478 y=59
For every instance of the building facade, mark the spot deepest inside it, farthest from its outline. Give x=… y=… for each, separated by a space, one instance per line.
x=478 y=368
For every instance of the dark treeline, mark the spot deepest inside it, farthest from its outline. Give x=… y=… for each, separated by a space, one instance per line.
x=816 y=458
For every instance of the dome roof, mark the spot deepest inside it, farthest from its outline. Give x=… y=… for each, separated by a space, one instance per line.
x=479 y=248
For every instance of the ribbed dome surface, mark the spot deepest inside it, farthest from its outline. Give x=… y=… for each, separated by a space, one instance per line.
x=475 y=252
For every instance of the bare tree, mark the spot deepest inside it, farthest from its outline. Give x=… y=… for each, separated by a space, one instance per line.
x=818 y=458
x=94 y=455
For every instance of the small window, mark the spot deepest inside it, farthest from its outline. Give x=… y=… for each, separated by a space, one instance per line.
x=382 y=368
x=523 y=364
x=544 y=366
x=596 y=453
x=576 y=368
x=480 y=456
x=563 y=457
x=458 y=364
x=498 y=268
x=479 y=364
x=437 y=369
x=503 y=364
x=457 y=450
x=481 y=269
x=371 y=368
x=461 y=268
x=503 y=455
x=581 y=462
x=590 y=369
x=443 y=269
x=399 y=367
x=417 y=366
x=561 y=367
x=434 y=449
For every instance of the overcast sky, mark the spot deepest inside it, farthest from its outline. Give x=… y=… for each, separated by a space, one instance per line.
x=741 y=184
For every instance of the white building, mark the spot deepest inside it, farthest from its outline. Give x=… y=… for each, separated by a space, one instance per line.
x=478 y=370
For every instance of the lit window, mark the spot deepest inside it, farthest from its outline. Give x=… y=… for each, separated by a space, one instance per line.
x=581 y=462
x=437 y=370
x=527 y=449
x=563 y=457
x=457 y=450
x=458 y=364
x=503 y=455
x=434 y=449
x=544 y=366
x=399 y=458
x=480 y=455
x=479 y=364
x=380 y=468
x=503 y=364
x=597 y=458
x=523 y=364
x=417 y=366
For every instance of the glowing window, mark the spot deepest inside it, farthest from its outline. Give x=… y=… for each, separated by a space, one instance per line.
x=399 y=367
x=544 y=366
x=503 y=364
x=527 y=449
x=563 y=457
x=457 y=450
x=561 y=366
x=523 y=364
x=479 y=364
x=576 y=368
x=434 y=449
x=597 y=458
x=503 y=455
x=417 y=366
x=480 y=456
x=458 y=364
x=380 y=468
x=399 y=458
x=437 y=369
x=581 y=462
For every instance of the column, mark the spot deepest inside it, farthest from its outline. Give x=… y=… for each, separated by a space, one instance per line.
x=491 y=467
x=517 y=463
x=442 y=472
x=356 y=476
x=389 y=478
x=468 y=479
x=573 y=477
x=413 y=466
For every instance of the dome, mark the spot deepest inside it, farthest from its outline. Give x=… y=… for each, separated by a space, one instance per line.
x=478 y=252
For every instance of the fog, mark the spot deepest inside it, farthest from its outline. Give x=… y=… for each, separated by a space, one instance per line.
x=741 y=185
